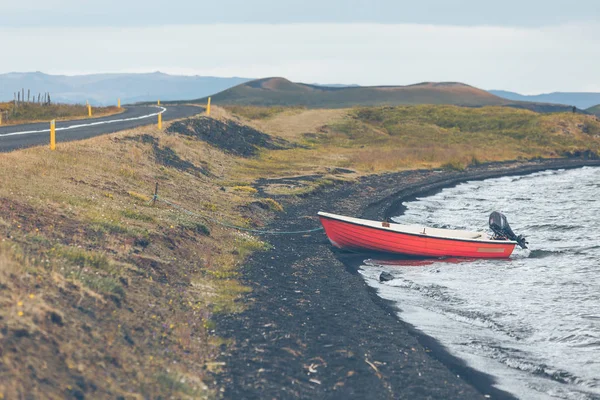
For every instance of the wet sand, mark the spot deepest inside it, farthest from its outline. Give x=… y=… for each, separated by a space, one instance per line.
x=313 y=328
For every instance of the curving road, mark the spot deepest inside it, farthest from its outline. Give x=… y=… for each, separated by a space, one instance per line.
x=21 y=136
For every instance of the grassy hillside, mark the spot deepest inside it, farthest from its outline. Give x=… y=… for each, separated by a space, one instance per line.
x=105 y=295
x=281 y=92
x=30 y=112
x=594 y=110
x=377 y=139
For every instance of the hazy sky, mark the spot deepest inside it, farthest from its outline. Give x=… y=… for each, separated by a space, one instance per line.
x=527 y=46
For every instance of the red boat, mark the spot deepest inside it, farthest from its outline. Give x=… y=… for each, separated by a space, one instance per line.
x=364 y=235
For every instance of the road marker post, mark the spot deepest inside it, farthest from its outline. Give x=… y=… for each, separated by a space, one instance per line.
x=208 y=108
x=53 y=134
x=158 y=102
x=0 y=118
x=89 y=110
x=119 y=103
x=160 y=121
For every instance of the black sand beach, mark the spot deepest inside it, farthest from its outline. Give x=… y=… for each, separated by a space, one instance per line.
x=314 y=329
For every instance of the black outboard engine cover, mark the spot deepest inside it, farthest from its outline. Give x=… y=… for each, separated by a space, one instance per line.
x=499 y=225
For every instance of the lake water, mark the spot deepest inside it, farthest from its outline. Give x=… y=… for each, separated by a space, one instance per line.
x=532 y=321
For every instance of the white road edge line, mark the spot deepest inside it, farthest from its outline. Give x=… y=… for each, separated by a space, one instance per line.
x=162 y=110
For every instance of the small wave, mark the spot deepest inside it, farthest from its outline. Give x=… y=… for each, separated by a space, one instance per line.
x=590 y=316
x=535 y=175
x=554 y=227
x=577 y=339
x=516 y=359
x=544 y=370
x=552 y=253
x=432 y=291
x=477 y=318
x=587 y=249
x=535 y=317
x=544 y=253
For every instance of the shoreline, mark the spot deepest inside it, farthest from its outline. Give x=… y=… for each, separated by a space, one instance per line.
x=311 y=329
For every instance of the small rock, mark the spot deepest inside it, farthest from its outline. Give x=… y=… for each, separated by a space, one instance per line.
x=56 y=318
x=385 y=277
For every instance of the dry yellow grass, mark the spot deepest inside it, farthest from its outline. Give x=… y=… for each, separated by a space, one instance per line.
x=372 y=140
x=292 y=125
x=32 y=113
x=81 y=217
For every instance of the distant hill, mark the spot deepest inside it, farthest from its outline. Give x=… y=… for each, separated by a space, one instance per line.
x=581 y=100
x=338 y=85
x=105 y=89
x=282 y=92
x=594 y=110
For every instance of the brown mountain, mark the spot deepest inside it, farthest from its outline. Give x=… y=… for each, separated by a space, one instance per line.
x=282 y=92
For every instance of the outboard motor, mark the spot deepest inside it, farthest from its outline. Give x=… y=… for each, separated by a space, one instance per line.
x=499 y=225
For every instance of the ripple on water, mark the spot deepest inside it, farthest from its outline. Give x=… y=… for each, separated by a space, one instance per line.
x=533 y=320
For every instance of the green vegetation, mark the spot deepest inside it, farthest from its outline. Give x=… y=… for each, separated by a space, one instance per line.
x=455 y=137
x=246 y=189
x=196 y=227
x=101 y=284
x=137 y=216
x=272 y=204
x=83 y=258
x=141 y=197
x=179 y=386
x=594 y=110
x=379 y=139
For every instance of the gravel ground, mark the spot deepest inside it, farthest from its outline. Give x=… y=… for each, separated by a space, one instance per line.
x=315 y=330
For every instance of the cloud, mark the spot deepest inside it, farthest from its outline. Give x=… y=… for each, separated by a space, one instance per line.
x=532 y=13
x=563 y=57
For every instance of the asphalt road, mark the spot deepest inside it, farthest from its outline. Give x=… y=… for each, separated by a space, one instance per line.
x=21 y=136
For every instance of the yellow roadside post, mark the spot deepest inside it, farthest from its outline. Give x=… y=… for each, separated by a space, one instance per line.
x=119 y=103
x=208 y=108
x=0 y=118
x=159 y=121
x=158 y=102
x=89 y=110
x=53 y=134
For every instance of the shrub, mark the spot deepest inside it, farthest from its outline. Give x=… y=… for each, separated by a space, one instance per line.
x=454 y=165
x=474 y=161
x=84 y=258
x=197 y=227
x=246 y=189
x=257 y=112
x=139 y=196
x=272 y=204
x=137 y=216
